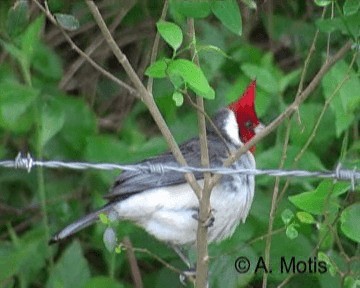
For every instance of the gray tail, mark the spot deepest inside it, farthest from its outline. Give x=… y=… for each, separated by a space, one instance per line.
x=80 y=224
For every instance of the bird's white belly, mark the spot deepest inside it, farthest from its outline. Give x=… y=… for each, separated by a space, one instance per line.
x=169 y=213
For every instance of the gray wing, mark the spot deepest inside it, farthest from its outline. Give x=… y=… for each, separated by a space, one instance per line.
x=131 y=182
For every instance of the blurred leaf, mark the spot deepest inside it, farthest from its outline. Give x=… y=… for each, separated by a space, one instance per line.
x=323 y=257
x=47 y=62
x=104 y=218
x=13 y=51
x=15 y=99
x=193 y=76
x=287 y=215
x=103 y=282
x=67 y=21
x=158 y=68
x=26 y=256
x=305 y=217
x=178 y=98
x=171 y=33
x=17 y=18
x=270 y=158
x=309 y=115
x=11 y=259
x=291 y=231
x=348 y=25
x=264 y=78
x=351 y=7
x=52 y=120
x=289 y=79
x=194 y=9
x=323 y=3
x=350 y=222
x=345 y=101
x=71 y=270
x=79 y=122
x=213 y=48
x=228 y=13
x=109 y=239
x=317 y=201
x=30 y=38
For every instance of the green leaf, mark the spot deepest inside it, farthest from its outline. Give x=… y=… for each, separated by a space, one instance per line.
x=80 y=123
x=317 y=201
x=67 y=21
x=228 y=13
x=15 y=100
x=48 y=63
x=103 y=281
x=13 y=51
x=346 y=100
x=171 y=33
x=104 y=218
x=12 y=259
x=193 y=9
x=178 y=98
x=264 y=78
x=323 y=3
x=351 y=7
x=158 y=68
x=323 y=257
x=305 y=217
x=287 y=215
x=109 y=239
x=291 y=231
x=17 y=18
x=289 y=79
x=193 y=76
x=30 y=38
x=71 y=270
x=52 y=120
x=350 y=225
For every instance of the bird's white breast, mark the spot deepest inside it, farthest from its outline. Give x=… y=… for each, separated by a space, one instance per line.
x=169 y=213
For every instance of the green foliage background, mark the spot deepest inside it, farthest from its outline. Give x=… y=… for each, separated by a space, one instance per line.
x=59 y=111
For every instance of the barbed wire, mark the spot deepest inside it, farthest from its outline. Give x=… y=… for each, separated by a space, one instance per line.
x=27 y=162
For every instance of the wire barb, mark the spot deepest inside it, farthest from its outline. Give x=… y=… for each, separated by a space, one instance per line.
x=27 y=162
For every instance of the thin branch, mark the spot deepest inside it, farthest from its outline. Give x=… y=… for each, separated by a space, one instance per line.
x=274 y=203
x=202 y=265
x=134 y=267
x=145 y=96
x=155 y=47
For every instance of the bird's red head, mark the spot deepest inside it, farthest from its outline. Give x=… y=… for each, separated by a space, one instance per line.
x=244 y=110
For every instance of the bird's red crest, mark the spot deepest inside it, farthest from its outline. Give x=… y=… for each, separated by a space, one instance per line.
x=244 y=110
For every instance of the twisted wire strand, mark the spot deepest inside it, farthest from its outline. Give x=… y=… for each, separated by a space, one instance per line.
x=27 y=162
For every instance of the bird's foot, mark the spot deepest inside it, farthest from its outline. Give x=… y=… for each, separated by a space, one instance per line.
x=188 y=276
x=207 y=222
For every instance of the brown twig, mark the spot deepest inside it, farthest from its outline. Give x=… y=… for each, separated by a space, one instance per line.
x=155 y=47
x=274 y=202
x=134 y=267
x=202 y=265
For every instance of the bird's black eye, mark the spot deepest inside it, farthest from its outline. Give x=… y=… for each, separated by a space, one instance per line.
x=248 y=124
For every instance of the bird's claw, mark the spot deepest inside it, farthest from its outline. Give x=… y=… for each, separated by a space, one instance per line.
x=207 y=222
x=187 y=276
